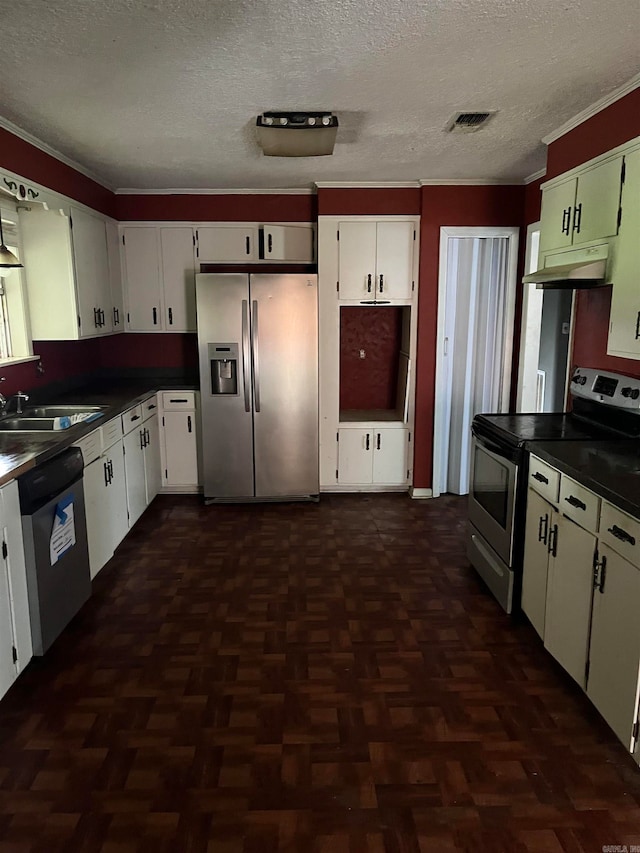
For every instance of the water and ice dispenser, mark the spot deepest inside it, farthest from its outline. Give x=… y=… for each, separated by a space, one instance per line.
x=223 y=361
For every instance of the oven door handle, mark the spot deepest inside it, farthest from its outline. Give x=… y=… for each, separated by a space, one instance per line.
x=485 y=442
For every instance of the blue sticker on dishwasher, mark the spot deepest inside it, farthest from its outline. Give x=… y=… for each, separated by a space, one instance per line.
x=63 y=534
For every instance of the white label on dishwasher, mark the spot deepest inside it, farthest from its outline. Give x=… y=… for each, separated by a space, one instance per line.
x=63 y=535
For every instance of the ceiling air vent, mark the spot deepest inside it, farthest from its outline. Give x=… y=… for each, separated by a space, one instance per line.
x=469 y=122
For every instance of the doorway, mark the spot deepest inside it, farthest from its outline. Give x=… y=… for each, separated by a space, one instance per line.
x=476 y=303
x=545 y=340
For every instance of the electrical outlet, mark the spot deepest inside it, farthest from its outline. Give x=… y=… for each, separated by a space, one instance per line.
x=363 y=354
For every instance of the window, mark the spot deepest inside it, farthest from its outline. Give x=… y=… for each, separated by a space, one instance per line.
x=15 y=340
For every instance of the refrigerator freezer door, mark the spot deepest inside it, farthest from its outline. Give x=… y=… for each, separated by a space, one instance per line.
x=284 y=333
x=225 y=366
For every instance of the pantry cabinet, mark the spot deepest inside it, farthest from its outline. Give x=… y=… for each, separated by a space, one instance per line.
x=582 y=208
x=67 y=273
x=372 y=456
x=375 y=260
x=624 y=320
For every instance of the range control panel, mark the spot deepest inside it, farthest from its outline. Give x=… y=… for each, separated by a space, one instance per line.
x=612 y=389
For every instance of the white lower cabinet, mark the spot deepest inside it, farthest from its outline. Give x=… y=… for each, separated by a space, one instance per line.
x=134 y=474
x=151 y=452
x=372 y=456
x=614 y=651
x=15 y=626
x=106 y=505
x=179 y=441
x=536 y=560
x=141 y=458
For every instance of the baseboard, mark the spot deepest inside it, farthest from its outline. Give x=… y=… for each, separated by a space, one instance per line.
x=181 y=490
x=421 y=494
x=335 y=489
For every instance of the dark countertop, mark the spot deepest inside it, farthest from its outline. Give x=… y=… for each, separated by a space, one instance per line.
x=611 y=469
x=20 y=451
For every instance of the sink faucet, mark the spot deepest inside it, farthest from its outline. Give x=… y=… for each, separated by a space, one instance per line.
x=20 y=397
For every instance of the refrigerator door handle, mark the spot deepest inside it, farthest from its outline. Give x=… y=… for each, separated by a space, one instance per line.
x=245 y=354
x=255 y=356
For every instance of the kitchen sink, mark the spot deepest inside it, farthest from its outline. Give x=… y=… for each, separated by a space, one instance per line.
x=59 y=411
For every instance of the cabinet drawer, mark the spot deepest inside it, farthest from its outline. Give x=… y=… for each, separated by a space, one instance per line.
x=131 y=419
x=621 y=532
x=91 y=446
x=544 y=479
x=111 y=432
x=579 y=503
x=149 y=407
x=172 y=400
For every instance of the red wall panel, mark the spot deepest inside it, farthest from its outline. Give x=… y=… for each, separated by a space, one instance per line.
x=532 y=201
x=60 y=360
x=441 y=206
x=374 y=201
x=591 y=330
x=152 y=350
x=278 y=207
x=35 y=165
x=609 y=128
x=370 y=382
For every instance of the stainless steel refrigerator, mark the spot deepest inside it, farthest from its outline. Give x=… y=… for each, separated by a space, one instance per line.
x=258 y=350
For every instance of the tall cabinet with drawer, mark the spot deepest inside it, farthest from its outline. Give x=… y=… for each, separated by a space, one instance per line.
x=581 y=591
x=178 y=441
x=367 y=266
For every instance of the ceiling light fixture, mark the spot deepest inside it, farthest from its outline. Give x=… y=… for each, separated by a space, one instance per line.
x=287 y=134
x=7 y=259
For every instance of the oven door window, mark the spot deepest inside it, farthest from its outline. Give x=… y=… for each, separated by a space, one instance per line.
x=491 y=486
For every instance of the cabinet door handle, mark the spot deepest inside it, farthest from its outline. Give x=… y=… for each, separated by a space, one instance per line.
x=269 y=243
x=566 y=220
x=170 y=316
x=638 y=326
x=367 y=444
x=621 y=534
x=96 y=318
x=378 y=442
x=155 y=316
x=599 y=573
x=552 y=547
x=106 y=473
x=141 y=439
x=369 y=283
x=116 y=316
x=247 y=243
x=110 y=470
x=541 y=478
x=576 y=502
x=381 y=284
x=577 y=218
x=147 y=438
x=543 y=528
x=189 y=423
x=104 y=317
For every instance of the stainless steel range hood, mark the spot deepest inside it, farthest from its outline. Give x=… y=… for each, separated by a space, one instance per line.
x=572 y=270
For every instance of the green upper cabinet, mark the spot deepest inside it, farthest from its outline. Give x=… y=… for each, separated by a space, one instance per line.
x=582 y=209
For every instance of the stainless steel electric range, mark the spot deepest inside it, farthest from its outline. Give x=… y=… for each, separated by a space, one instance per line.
x=605 y=406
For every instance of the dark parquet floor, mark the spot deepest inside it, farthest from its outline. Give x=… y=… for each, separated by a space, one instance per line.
x=322 y=679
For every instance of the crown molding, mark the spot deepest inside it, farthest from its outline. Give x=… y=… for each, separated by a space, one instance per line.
x=535 y=176
x=5 y=124
x=211 y=191
x=593 y=110
x=469 y=182
x=367 y=185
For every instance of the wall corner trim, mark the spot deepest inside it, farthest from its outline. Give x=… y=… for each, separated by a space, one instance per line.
x=365 y=185
x=592 y=110
x=470 y=182
x=216 y=191
x=535 y=176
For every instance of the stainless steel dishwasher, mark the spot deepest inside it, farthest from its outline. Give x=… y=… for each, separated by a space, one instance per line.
x=55 y=542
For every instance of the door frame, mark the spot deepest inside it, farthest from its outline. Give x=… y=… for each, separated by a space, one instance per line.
x=442 y=379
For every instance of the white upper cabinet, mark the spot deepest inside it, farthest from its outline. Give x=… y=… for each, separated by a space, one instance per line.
x=624 y=327
x=376 y=260
x=178 y=277
x=115 y=276
x=143 y=287
x=581 y=209
x=67 y=272
x=288 y=243
x=230 y=244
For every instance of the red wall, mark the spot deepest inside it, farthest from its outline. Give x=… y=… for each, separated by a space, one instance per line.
x=218 y=208
x=609 y=128
x=372 y=382
x=31 y=163
x=153 y=350
x=613 y=126
x=454 y=206
x=401 y=201
x=60 y=360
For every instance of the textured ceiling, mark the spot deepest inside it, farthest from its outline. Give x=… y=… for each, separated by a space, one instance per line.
x=164 y=93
